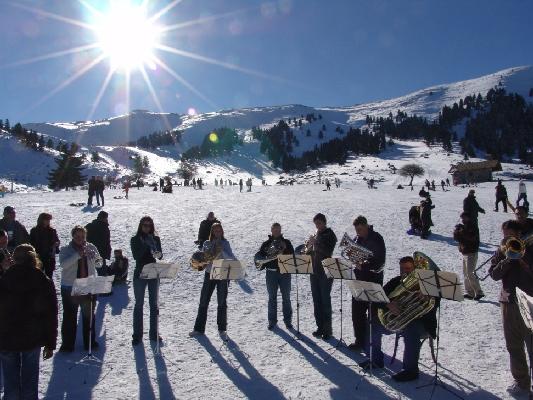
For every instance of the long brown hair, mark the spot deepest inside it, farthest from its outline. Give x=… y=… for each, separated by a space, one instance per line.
x=211 y=234
x=43 y=217
x=25 y=254
x=144 y=219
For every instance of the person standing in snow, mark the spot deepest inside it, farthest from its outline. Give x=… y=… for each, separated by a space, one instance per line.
x=275 y=280
x=370 y=270
x=46 y=243
x=467 y=235
x=16 y=232
x=220 y=248
x=98 y=233
x=522 y=194
x=321 y=246
x=205 y=228
x=514 y=272
x=91 y=190
x=79 y=259
x=501 y=196
x=328 y=184
x=471 y=206
x=145 y=248
x=240 y=185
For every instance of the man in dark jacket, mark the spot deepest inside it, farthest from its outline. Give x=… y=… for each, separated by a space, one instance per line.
x=467 y=235
x=205 y=229
x=471 y=206
x=514 y=272
x=322 y=245
x=275 y=280
x=91 y=190
x=412 y=333
x=370 y=270
x=28 y=311
x=425 y=217
x=16 y=232
x=99 y=189
x=501 y=195
x=98 y=234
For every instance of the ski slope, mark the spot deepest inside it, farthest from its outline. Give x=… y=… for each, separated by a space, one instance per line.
x=260 y=364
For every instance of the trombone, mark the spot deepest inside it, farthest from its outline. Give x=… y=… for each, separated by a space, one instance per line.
x=511 y=247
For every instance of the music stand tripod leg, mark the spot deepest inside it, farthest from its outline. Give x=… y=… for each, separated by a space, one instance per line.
x=157 y=346
x=436 y=381
x=370 y=372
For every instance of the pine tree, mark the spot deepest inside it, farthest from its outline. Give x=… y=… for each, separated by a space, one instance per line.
x=67 y=174
x=50 y=143
x=95 y=157
x=7 y=126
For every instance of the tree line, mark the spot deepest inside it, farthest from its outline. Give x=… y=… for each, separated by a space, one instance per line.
x=157 y=139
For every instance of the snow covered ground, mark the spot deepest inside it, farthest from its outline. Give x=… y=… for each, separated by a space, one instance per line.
x=270 y=365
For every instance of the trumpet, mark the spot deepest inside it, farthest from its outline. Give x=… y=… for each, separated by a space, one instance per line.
x=309 y=244
x=512 y=248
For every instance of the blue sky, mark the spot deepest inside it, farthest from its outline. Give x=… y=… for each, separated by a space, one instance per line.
x=312 y=52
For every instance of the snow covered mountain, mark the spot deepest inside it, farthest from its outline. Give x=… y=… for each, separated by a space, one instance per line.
x=109 y=136
x=427 y=102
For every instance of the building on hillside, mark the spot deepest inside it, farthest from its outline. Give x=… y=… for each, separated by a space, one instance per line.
x=472 y=172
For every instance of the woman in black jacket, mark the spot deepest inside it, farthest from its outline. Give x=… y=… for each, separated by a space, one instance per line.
x=46 y=243
x=146 y=248
x=28 y=311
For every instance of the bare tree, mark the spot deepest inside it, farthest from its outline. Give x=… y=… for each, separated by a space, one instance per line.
x=411 y=170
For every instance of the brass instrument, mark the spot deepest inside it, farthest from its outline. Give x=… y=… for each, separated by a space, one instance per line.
x=512 y=248
x=201 y=259
x=277 y=246
x=409 y=298
x=354 y=252
x=307 y=246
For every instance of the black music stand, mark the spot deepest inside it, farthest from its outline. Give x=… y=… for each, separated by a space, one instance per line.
x=441 y=285
x=369 y=292
x=338 y=268
x=91 y=286
x=525 y=304
x=159 y=270
x=296 y=264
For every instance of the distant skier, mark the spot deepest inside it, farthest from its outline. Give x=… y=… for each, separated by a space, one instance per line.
x=501 y=196
x=442 y=185
x=447 y=181
x=161 y=184
x=433 y=185
x=240 y=185
x=328 y=185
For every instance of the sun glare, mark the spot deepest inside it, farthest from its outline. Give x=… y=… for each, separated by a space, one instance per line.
x=127 y=37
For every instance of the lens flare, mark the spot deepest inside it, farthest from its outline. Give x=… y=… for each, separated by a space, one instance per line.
x=213 y=137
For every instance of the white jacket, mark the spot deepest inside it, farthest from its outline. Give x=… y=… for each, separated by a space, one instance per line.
x=68 y=261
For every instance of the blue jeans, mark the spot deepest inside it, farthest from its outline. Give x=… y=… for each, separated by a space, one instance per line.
x=321 y=292
x=21 y=374
x=275 y=279
x=139 y=289
x=208 y=288
x=412 y=336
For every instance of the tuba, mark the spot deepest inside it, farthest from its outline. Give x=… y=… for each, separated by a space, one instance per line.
x=201 y=259
x=354 y=252
x=407 y=295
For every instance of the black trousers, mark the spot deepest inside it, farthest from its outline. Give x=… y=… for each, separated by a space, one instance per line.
x=359 y=320
x=222 y=310
x=70 y=318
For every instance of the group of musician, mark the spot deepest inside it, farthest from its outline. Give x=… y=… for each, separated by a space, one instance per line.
x=80 y=259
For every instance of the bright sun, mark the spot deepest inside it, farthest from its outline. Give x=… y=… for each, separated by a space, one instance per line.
x=127 y=37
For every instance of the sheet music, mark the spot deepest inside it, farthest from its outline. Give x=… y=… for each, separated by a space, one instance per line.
x=338 y=268
x=92 y=285
x=368 y=291
x=448 y=286
x=525 y=303
x=228 y=269
x=165 y=270
x=295 y=263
